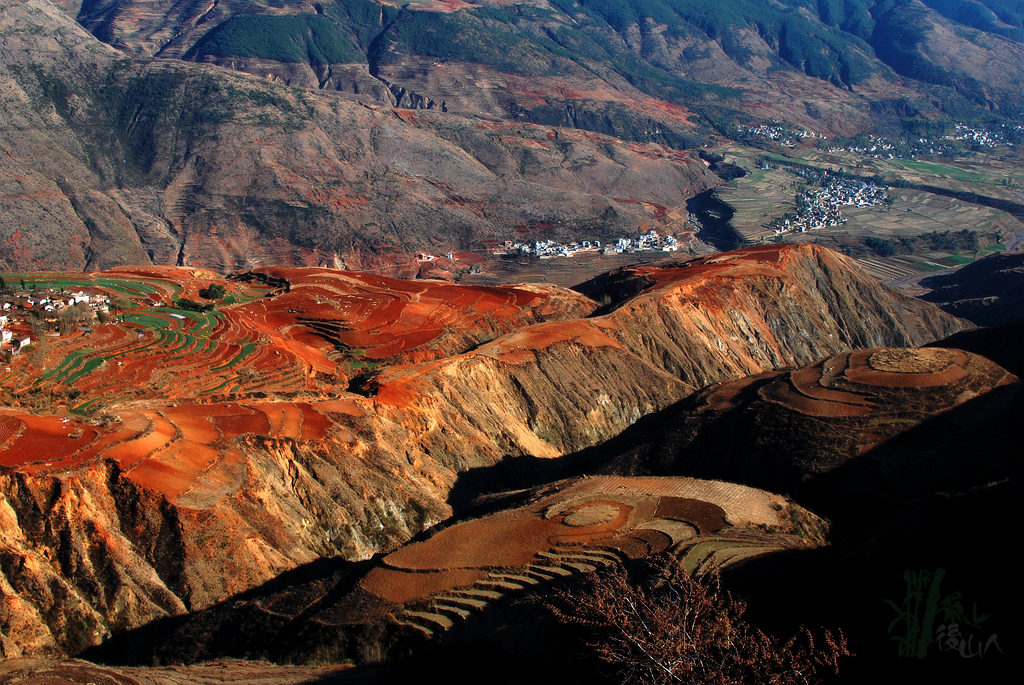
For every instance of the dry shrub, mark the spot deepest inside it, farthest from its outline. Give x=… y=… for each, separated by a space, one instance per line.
x=659 y=625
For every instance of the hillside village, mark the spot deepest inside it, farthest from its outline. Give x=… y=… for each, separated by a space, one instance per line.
x=778 y=134
x=28 y=313
x=960 y=135
x=652 y=241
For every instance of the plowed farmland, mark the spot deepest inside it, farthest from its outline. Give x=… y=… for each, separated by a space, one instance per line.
x=166 y=389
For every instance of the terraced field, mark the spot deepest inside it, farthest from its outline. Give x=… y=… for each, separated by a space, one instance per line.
x=783 y=430
x=166 y=392
x=585 y=525
x=325 y=414
x=260 y=340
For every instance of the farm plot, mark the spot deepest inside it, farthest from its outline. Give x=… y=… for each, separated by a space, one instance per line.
x=584 y=525
x=175 y=450
x=758 y=198
x=378 y=319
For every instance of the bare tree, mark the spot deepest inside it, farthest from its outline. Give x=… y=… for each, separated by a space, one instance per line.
x=662 y=626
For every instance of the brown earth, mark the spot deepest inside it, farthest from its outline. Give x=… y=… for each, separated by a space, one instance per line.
x=49 y=672
x=138 y=171
x=130 y=154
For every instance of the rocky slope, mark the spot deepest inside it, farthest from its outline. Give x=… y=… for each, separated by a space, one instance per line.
x=160 y=508
x=808 y=63
x=217 y=673
x=167 y=162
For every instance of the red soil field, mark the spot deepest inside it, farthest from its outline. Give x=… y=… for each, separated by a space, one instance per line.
x=401 y=587
x=384 y=318
x=518 y=347
x=783 y=393
x=724 y=396
x=47 y=437
x=810 y=381
x=503 y=540
x=656 y=541
x=761 y=259
x=171 y=450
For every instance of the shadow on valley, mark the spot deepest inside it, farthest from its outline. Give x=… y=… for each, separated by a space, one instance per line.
x=714 y=215
x=260 y=623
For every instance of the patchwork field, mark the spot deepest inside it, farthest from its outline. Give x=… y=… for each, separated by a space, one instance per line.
x=324 y=326
x=842 y=407
x=289 y=417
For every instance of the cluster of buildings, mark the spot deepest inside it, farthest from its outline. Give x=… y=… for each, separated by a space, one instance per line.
x=821 y=208
x=651 y=241
x=874 y=146
x=779 y=134
x=881 y=148
x=976 y=136
x=18 y=309
x=948 y=145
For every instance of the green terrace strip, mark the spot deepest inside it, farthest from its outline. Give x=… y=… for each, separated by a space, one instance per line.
x=205 y=322
x=88 y=367
x=68 y=362
x=90 y=406
x=219 y=386
x=188 y=346
x=148 y=320
x=245 y=351
x=126 y=286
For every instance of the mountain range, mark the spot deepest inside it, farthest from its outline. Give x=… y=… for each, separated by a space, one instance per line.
x=230 y=134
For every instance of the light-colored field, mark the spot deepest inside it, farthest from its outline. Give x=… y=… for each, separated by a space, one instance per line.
x=758 y=198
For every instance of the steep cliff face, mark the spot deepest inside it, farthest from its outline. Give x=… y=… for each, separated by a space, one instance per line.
x=169 y=507
x=83 y=553
x=747 y=311
x=96 y=550
x=720 y=317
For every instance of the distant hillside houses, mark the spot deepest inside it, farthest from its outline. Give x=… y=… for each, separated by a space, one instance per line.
x=962 y=138
x=822 y=208
x=783 y=136
x=977 y=136
x=651 y=241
